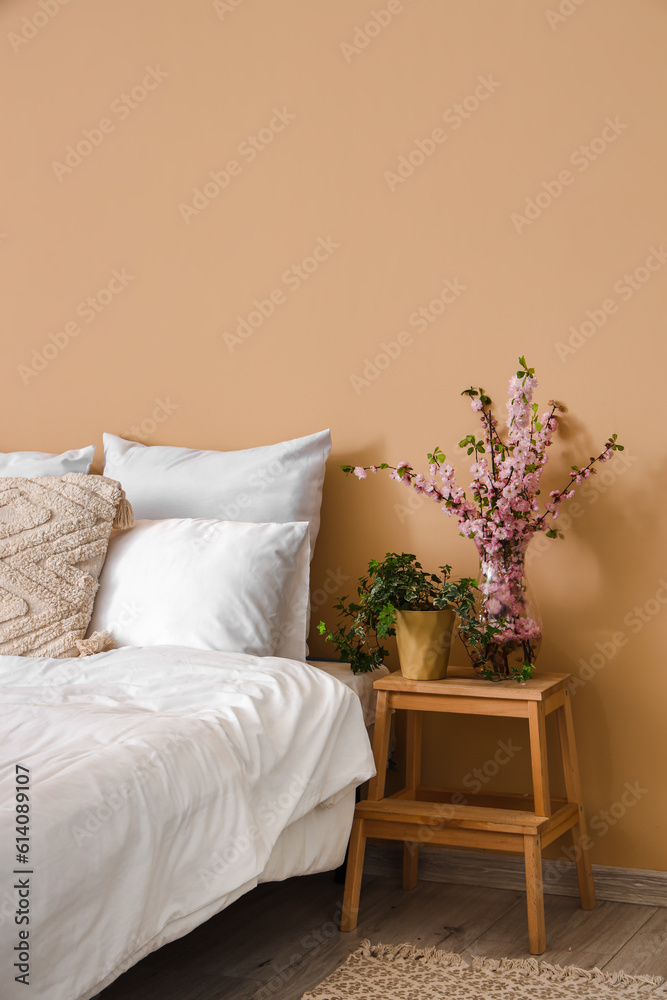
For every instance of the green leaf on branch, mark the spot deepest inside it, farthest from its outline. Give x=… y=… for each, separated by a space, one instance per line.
x=437 y=455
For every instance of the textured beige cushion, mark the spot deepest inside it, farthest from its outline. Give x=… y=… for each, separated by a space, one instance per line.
x=54 y=532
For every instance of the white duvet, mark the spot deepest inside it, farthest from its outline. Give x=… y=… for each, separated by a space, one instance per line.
x=160 y=779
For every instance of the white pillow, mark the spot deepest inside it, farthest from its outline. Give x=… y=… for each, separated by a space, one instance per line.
x=279 y=482
x=201 y=583
x=29 y=464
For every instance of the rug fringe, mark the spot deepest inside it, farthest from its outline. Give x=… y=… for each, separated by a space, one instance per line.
x=395 y=952
x=529 y=967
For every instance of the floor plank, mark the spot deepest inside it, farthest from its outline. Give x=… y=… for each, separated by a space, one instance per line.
x=430 y=916
x=646 y=951
x=280 y=940
x=585 y=938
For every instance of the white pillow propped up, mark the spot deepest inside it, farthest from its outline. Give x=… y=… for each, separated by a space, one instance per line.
x=206 y=584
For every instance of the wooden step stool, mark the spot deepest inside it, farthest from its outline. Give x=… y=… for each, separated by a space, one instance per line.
x=418 y=814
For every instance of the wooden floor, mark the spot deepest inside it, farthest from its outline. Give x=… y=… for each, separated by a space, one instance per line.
x=281 y=938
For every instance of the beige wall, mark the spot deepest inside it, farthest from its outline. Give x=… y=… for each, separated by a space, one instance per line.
x=218 y=72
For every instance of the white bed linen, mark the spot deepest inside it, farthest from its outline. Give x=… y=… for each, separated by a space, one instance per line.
x=318 y=841
x=161 y=781
x=361 y=684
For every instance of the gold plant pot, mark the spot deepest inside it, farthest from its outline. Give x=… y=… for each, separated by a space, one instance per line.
x=424 y=639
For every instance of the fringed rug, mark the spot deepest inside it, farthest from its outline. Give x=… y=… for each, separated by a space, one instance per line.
x=401 y=972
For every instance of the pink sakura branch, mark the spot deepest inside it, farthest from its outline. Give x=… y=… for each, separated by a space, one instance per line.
x=502 y=505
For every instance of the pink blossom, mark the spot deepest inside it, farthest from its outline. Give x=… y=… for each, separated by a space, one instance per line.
x=360 y=472
x=503 y=511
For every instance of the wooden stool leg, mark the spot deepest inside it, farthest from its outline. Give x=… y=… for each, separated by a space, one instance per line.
x=573 y=785
x=413 y=760
x=538 y=757
x=534 y=895
x=380 y=747
x=413 y=752
x=410 y=864
x=355 y=870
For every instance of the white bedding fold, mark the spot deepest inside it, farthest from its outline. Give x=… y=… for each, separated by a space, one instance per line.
x=161 y=778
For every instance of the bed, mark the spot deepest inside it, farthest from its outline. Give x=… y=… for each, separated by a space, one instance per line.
x=165 y=782
x=144 y=788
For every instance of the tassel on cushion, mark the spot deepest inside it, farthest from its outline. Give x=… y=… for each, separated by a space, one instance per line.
x=99 y=642
x=124 y=517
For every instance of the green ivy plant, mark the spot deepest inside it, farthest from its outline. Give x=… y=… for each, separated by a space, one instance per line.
x=398 y=583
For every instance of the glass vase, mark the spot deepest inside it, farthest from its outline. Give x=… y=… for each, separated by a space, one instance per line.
x=508 y=605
